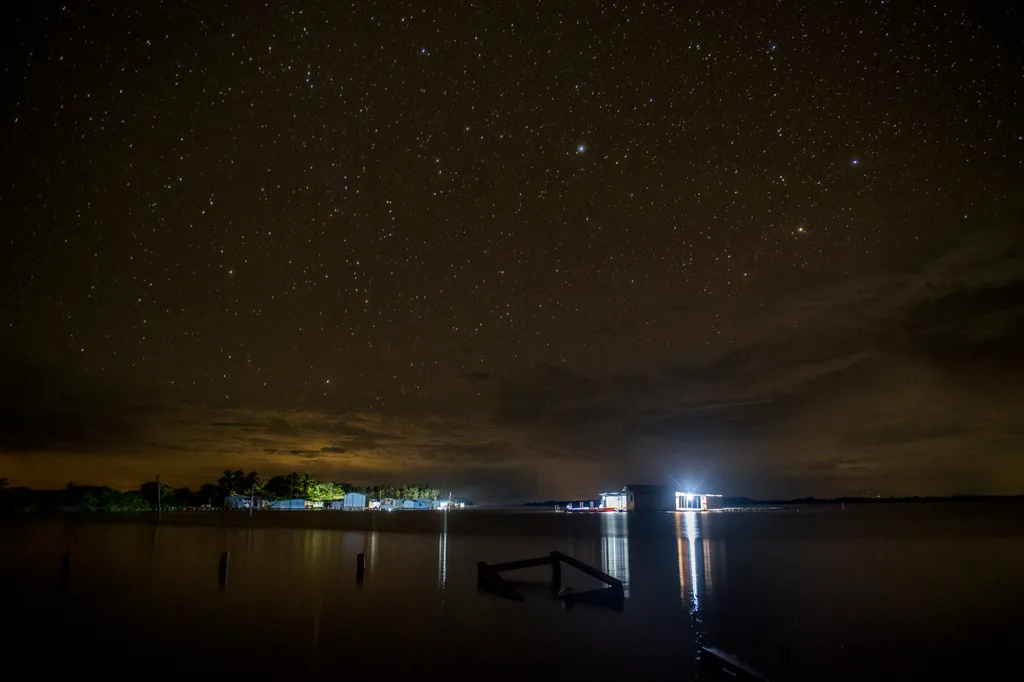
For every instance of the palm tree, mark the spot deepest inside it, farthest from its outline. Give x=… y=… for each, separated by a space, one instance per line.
x=232 y=482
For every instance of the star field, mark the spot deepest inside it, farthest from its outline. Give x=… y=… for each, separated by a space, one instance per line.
x=395 y=218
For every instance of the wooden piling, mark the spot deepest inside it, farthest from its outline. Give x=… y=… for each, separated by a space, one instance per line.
x=222 y=572
x=360 y=567
x=556 y=574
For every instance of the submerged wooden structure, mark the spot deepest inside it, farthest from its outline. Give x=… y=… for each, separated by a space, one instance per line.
x=489 y=579
x=713 y=659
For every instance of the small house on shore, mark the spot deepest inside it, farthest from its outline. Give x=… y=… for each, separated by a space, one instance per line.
x=245 y=501
x=236 y=502
x=354 y=501
x=288 y=505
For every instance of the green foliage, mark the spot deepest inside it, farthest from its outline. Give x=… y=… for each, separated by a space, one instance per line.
x=116 y=501
x=148 y=492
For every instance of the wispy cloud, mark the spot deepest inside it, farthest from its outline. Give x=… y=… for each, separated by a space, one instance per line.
x=868 y=382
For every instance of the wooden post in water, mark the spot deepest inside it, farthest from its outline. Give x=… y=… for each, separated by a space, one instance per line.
x=222 y=571
x=556 y=574
x=360 y=567
x=65 y=570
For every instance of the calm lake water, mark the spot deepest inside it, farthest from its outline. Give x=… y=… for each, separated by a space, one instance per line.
x=886 y=591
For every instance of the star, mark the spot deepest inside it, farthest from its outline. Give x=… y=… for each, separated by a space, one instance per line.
x=580 y=149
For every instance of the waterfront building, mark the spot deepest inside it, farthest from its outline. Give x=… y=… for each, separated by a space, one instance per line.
x=697 y=502
x=354 y=501
x=289 y=505
x=657 y=498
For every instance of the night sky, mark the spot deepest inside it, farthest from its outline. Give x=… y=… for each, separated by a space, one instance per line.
x=515 y=249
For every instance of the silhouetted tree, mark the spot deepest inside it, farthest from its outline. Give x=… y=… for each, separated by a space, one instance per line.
x=280 y=487
x=210 y=494
x=148 y=492
x=232 y=482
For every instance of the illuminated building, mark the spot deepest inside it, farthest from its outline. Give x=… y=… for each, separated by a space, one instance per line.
x=697 y=502
x=639 y=498
x=657 y=498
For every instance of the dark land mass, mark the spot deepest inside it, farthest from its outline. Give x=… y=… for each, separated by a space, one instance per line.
x=750 y=502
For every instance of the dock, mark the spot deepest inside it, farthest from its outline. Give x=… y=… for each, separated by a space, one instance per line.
x=489 y=579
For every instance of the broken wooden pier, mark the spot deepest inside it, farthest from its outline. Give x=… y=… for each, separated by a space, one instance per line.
x=490 y=580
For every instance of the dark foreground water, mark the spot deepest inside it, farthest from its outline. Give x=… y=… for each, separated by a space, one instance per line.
x=872 y=592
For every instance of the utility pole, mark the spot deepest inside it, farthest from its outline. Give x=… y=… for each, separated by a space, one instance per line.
x=252 y=498
x=159 y=511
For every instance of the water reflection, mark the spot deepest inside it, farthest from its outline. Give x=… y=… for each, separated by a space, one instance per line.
x=373 y=552
x=314 y=545
x=692 y=570
x=708 y=573
x=615 y=547
x=442 y=554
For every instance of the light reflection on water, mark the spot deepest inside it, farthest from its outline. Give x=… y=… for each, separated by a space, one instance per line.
x=442 y=553
x=690 y=579
x=615 y=547
x=373 y=552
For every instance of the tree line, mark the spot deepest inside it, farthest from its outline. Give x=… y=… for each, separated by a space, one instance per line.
x=234 y=482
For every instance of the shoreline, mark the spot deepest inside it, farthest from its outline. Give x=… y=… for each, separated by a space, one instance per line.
x=510 y=519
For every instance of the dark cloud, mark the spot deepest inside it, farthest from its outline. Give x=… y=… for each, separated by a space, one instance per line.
x=306 y=454
x=972 y=329
x=280 y=426
x=534 y=395
x=903 y=433
x=456 y=452
x=44 y=408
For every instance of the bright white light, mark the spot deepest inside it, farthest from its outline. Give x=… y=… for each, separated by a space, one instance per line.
x=580 y=149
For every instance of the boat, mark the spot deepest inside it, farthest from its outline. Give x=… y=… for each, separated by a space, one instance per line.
x=570 y=508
